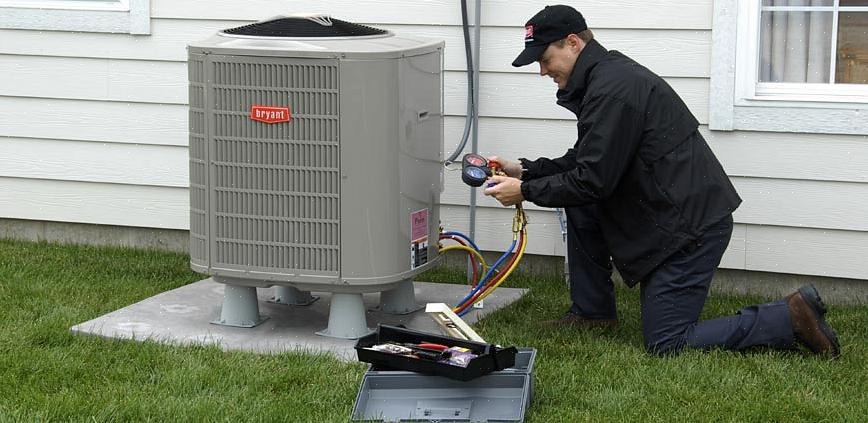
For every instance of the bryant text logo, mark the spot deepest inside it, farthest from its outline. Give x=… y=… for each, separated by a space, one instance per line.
x=269 y=114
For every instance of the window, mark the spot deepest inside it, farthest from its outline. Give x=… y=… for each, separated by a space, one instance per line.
x=790 y=65
x=123 y=16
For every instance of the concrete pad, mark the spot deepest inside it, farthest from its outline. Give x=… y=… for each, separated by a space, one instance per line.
x=182 y=317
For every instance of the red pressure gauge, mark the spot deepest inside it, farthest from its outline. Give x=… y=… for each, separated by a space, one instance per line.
x=474 y=160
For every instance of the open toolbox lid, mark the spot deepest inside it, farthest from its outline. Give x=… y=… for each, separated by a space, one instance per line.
x=488 y=358
x=405 y=396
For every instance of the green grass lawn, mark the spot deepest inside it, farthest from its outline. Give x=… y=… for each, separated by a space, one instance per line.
x=47 y=374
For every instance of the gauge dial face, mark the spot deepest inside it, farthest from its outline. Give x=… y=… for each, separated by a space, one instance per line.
x=476 y=173
x=474 y=176
x=475 y=160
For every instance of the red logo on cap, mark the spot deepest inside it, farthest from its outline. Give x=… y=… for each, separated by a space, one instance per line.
x=528 y=33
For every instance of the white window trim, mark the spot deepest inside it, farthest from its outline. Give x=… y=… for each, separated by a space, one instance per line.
x=738 y=103
x=118 y=16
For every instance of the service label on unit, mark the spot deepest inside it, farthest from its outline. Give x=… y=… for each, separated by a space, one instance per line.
x=418 y=238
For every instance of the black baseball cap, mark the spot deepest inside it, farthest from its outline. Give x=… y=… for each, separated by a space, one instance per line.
x=549 y=25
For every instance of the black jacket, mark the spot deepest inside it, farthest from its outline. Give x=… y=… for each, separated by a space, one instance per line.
x=640 y=156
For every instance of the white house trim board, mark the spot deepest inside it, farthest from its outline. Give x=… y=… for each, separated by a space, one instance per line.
x=722 y=89
x=850 y=95
x=802 y=119
x=121 y=5
x=737 y=102
x=118 y=16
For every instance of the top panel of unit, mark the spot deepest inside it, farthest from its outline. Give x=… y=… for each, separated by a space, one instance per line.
x=315 y=36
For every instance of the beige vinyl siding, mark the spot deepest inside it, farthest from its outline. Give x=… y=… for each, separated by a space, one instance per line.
x=95 y=202
x=690 y=14
x=767 y=201
x=112 y=80
x=87 y=120
x=116 y=163
x=93 y=126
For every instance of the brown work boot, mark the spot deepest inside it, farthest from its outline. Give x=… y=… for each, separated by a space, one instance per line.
x=575 y=320
x=807 y=313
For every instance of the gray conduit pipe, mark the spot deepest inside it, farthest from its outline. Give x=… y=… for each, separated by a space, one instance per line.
x=474 y=146
x=471 y=107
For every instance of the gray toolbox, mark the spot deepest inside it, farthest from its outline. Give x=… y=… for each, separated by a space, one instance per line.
x=404 y=396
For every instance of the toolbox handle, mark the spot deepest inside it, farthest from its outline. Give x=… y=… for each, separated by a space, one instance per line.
x=501 y=353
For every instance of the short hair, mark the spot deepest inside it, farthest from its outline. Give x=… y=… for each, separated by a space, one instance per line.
x=585 y=36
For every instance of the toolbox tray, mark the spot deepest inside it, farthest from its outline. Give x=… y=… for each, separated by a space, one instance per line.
x=404 y=396
x=489 y=357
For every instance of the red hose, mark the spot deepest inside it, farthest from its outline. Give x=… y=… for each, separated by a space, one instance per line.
x=473 y=263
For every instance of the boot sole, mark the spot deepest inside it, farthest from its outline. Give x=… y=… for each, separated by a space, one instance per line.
x=812 y=298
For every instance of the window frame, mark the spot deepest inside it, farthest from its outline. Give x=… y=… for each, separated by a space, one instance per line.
x=739 y=102
x=114 y=16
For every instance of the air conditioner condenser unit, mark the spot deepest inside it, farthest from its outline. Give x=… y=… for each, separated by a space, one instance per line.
x=315 y=165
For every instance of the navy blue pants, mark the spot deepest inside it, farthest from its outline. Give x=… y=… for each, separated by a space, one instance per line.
x=673 y=295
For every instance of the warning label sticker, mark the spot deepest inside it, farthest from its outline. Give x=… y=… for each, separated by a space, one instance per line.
x=418 y=238
x=418 y=252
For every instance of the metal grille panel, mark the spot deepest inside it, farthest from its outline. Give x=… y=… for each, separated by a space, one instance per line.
x=198 y=163
x=275 y=187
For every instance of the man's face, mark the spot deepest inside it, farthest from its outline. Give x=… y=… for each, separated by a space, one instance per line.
x=558 y=60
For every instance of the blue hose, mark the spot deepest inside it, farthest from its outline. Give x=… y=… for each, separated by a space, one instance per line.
x=465 y=237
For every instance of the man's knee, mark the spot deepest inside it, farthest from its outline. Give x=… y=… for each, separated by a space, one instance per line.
x=664 y=345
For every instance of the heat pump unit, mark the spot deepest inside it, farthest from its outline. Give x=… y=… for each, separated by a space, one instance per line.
x=315 y=151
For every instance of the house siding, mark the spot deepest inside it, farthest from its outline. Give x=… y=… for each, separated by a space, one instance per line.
x=93 y=126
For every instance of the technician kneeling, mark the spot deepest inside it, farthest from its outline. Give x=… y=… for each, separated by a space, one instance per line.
x=642 y=187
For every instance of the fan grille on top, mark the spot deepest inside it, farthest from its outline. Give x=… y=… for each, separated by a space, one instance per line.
x=305 y=27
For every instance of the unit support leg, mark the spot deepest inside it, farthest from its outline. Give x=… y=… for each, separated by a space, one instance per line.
x=288 y=295
x=399 y=300
x=240 y=307
x=346 y=317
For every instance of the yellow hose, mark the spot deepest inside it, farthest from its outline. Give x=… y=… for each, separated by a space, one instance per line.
x=468 y=249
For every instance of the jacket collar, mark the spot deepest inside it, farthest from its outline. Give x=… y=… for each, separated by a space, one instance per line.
x=578 y=82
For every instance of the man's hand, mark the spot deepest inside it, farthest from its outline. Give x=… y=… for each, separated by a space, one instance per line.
x=507 y=190
x=512 y=169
